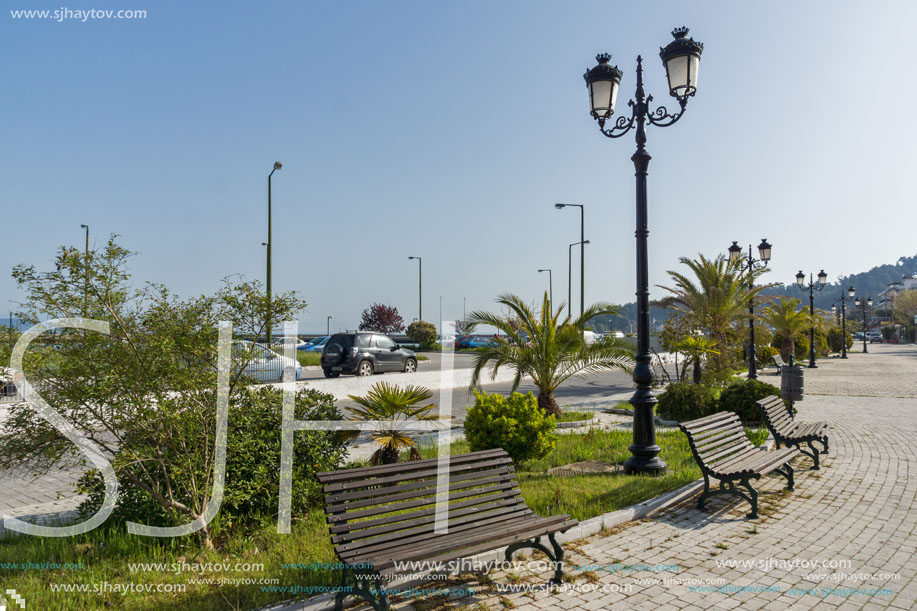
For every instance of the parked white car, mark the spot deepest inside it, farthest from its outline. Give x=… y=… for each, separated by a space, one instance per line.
x=262 y=363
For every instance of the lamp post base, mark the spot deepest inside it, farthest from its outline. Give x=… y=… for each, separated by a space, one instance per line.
x=813 y=366
x=644 y=460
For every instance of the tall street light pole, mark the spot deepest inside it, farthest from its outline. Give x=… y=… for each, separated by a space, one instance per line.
x=550 y=287
x=328 y=324
x=570 y=274
x=419 y=287
x=681 y=58
x=582 y=252
x=811 y=287
x=844 y=297
x=86 y=288
x=268 y=322
x=751 y=265
x=861 y=303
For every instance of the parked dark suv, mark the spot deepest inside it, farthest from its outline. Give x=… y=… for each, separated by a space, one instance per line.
x=364 y=353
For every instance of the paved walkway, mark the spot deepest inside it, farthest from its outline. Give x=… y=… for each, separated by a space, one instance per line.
x=856 y=518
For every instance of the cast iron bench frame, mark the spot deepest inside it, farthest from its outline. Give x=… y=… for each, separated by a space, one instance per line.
x=723 y=451
x=486 y=511
x=785 y=430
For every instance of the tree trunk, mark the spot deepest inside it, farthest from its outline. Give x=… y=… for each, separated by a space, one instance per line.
x=697 y=370
x=548 y=404
x=787 y=347
x=385 y=456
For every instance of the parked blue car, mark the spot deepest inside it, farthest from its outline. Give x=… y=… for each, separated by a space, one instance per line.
x=317 y=347
x=480 y=342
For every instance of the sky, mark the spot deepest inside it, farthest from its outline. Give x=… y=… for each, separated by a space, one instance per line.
x=448 y=131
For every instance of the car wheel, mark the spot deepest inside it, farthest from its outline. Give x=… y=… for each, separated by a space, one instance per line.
x=331 y=374
x=365 y=369
x=410 y=366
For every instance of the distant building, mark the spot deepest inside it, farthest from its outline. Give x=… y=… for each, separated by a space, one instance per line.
x=883 y=306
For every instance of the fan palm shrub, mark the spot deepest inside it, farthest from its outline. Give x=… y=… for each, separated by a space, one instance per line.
x=696 y=349
x=545 y=347
x=394 y=406
x=789 y=323
x=712 y=301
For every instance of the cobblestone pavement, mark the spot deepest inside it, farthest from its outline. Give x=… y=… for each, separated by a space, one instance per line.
x=855 y=519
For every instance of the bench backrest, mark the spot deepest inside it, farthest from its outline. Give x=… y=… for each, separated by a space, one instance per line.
x=717 y=437
x=778 y=360
x=370 y=506
x=775 y=413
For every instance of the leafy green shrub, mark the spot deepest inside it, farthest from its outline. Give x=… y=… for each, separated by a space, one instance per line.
x=253 y=443
x=740 y=398
x=765 y=355
x=514 y=423
x=422 y=332
x=683 y=401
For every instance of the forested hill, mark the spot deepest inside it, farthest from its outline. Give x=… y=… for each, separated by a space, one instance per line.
x=867 y=284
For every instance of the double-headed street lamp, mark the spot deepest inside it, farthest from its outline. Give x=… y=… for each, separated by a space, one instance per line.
x=751 y=265
x=570 y=274
x=277 y=166
x=850 y=293
x=811 y=287
x=582 y=254
x=680 y=58
x=864 y=304
x=419 y=286
x=550 y=286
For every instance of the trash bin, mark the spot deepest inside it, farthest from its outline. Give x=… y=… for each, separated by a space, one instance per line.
x=791 y=382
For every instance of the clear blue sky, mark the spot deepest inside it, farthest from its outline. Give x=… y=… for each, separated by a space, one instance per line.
x=448 y=130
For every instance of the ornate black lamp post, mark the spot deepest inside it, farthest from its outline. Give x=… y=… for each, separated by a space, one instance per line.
x=811 y=287
x=864 y=304
x=850 y=293
x=681 y=58
x=751 y=265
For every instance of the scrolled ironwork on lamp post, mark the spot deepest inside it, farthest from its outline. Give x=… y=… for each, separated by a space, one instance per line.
x=681 y=58
x=811 y=287
x=751 y=265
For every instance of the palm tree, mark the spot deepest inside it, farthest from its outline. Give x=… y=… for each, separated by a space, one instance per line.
x=788 y=323
x=695 y=350
x=713 y=301
x=546 y=348
x=395 y=405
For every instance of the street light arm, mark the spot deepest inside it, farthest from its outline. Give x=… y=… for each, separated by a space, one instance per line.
x=622 y=124
x=661 y=117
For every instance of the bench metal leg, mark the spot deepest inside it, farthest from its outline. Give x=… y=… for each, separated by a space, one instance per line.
x=787 y=471
x=556 y=555
x=824 y=442
x=704 y=494
x=730 y=487
x=368 y=586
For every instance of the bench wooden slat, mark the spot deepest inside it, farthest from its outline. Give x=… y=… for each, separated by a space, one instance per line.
x=328 y=477
x=360 y=530
x=381 y=484
x=785 y=430
x=347 y=500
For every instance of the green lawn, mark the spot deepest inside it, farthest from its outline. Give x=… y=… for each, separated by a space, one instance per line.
x=575 y=416
x=106 y=553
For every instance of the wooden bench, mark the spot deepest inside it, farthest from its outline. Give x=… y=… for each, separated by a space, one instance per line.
x=779 y=420
x=779 y=362
x=723 y=451
x=380 y=516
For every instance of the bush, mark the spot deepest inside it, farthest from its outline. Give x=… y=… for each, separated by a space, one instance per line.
x=422 y=332
x=740 y=398
x=253 y=440
x=765 y=355
x=834 y=339
x=683 y=401
x=514 y=423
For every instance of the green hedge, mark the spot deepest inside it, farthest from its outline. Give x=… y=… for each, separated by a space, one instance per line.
x=514 y=423
x=683 y=401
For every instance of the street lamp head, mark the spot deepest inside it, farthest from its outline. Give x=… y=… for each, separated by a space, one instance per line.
x=602 y=81
x=277 y=165
x=869 y=301
x=764 y=250
x=681 y=58
x=585 y=241
x=800 y=279
x=851 y=291
x=822 y=278
x=834 y=308
x=84 y=226
x=559 y=206
x=856 y=302
x=735 y=251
